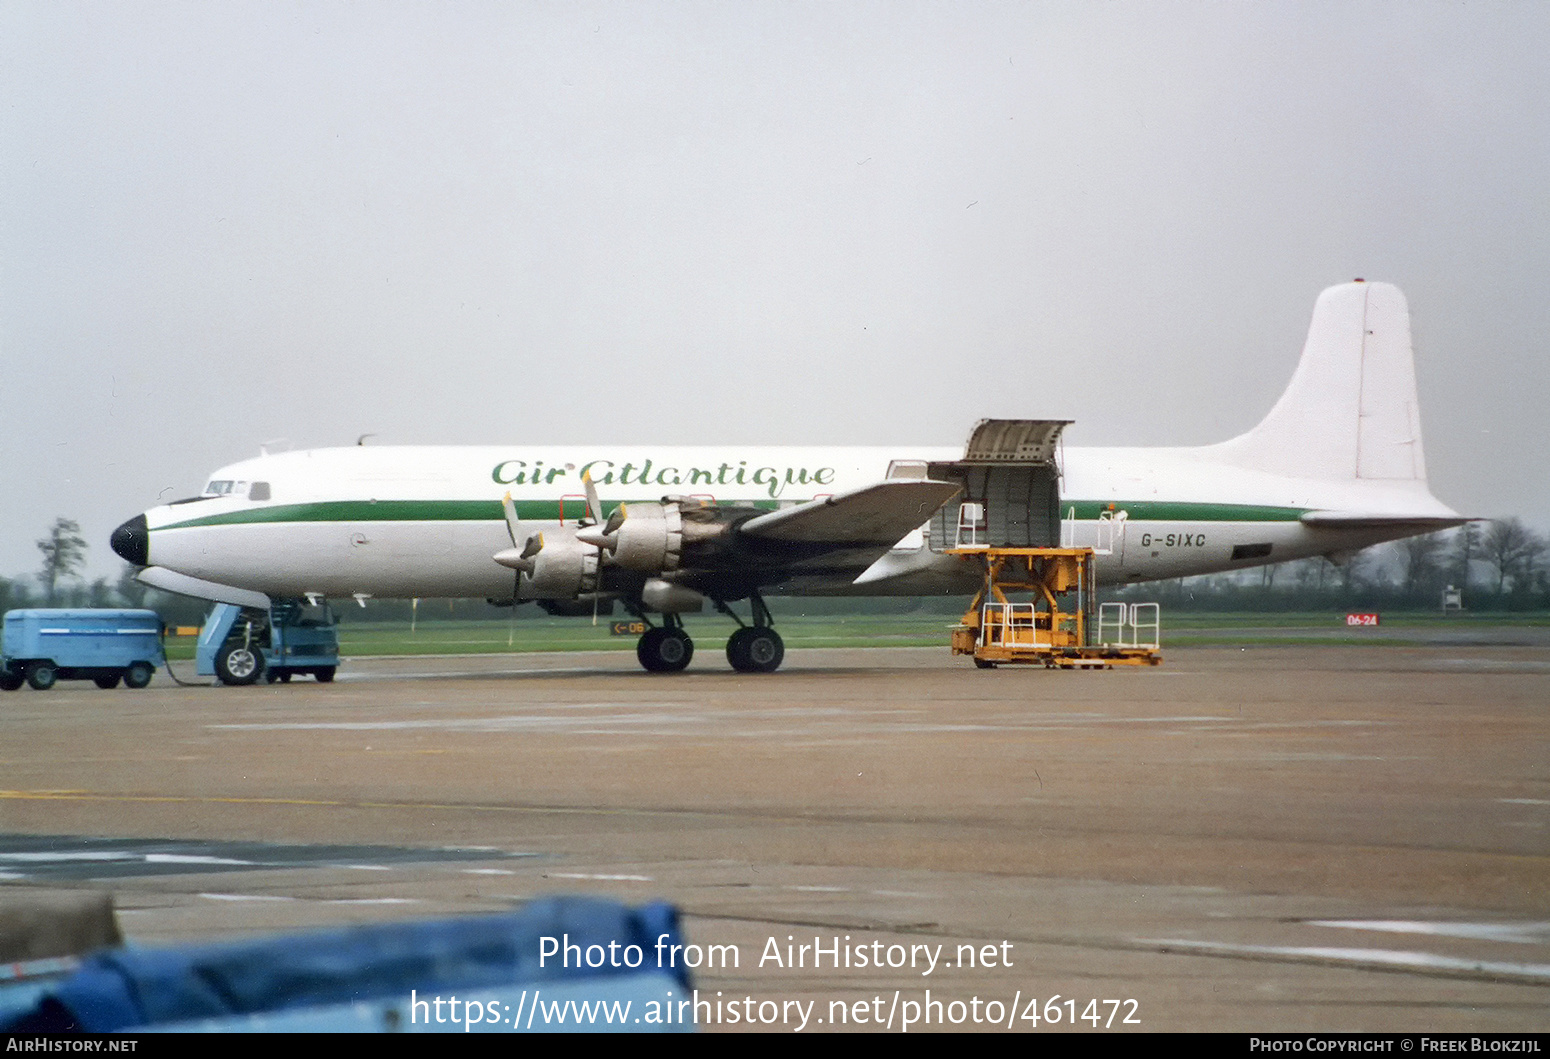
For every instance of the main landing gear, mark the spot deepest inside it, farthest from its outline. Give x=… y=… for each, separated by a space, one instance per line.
x=755 y=648
x=665 y=648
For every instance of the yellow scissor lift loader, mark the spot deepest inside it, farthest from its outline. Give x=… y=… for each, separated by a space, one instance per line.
x=1008 y=522
x=999 y=630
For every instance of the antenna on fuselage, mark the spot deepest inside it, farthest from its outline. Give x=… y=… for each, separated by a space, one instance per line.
x=362 y=439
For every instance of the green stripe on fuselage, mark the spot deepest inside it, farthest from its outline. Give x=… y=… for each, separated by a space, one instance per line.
x=549 y=511
x=1177 y=511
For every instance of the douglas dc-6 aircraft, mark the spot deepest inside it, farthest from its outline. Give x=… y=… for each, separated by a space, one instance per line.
x=1335 y=466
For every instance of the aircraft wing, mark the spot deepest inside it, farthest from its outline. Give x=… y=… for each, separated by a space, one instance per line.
x=875 y=514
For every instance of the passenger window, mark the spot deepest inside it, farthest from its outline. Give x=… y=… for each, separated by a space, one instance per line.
x=259 y=491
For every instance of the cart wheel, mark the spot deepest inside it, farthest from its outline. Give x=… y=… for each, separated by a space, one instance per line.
x=41 y=675
x=10 y=681
x=138 y=675
x=106 y=682
x=237 y=664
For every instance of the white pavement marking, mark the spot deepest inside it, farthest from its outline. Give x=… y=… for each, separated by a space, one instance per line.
x=1529 y=933
x=1420 y=962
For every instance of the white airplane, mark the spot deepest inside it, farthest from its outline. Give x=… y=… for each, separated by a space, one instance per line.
x=1336 y=466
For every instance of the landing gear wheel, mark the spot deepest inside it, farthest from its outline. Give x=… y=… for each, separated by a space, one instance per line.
x=238 y=665
x=10 y=681
x=325 y=674
x=139 y=675
x=663 y=650
x=737 y=649
x=756 y=650
x=107 y=682
x=41 y=675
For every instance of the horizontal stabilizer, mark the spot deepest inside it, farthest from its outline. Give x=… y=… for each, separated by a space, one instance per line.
x=184 y=585
x=1370 y=520
x=876 y=514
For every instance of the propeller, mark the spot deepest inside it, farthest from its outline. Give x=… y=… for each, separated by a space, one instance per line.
x=596 y=532
x=594 y=517
x=523 y=545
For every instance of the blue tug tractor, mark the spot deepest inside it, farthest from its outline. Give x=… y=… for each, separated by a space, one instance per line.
x=241 y=645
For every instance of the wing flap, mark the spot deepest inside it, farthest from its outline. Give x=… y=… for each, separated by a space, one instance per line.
x=875 y=514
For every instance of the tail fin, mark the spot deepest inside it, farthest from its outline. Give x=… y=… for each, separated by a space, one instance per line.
x=1350 y=411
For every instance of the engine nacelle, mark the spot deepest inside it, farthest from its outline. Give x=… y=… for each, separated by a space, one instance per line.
x=562 y=568
x=647 y=537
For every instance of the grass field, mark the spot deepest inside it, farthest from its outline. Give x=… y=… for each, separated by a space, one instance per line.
x=542 y=633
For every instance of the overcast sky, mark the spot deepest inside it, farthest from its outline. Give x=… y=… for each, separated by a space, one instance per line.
x=222 y=224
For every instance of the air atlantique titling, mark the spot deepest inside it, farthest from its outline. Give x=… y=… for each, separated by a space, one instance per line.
x=606 y=472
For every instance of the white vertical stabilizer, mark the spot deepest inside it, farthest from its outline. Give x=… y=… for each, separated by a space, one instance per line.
x=1350 y=412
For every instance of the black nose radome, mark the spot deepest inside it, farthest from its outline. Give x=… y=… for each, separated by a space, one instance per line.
x=132 y=541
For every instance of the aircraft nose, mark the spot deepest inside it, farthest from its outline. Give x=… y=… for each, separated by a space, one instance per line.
x=132 y=541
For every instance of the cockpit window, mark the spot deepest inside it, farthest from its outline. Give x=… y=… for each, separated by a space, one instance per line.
x=259 y=491
x=220 y=488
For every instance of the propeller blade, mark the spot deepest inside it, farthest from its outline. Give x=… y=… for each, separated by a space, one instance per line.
x=513 y=524
x=594 y=505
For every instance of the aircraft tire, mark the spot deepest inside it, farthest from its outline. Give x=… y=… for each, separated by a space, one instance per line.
x=139 y=675
x=737 y=649
x=762 y=650
x=238 y=665
x=41 y=675
x=106 y=681
x=325 y=674
x=663 y=650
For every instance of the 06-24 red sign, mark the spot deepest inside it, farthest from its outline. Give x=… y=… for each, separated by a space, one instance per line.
x=1361 y=619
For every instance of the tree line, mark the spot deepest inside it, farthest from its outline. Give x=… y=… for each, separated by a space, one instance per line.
x=1496 y=566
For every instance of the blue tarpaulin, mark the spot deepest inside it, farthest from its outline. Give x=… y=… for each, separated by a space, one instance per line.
x=128 y=988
